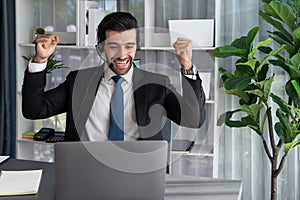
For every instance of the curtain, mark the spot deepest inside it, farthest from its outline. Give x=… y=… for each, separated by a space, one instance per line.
x=7 y=80
x=241 y=153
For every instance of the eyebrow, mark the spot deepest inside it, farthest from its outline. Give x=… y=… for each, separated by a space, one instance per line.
x=115 y=43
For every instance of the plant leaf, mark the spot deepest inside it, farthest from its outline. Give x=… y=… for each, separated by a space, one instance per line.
x=279 y=130
x=253 y=111
x=284 y=123
x=259 y=44
x=296 y=37
x=281 y=103
x=226 y=73
x=281 y=64
x=289 y=146
x=225 y=118
x=250 y=38
x=252 y=124
x=266 y=1
x=227 y=50
x=250 y=63
x=240 y=43
x=245 y=68
x=268 y=85
x=296 y=86
x=272 y=53
x=237 y=83
x=280 y=12
x=256 y=92
x=262 y=73
x=276 y=25
x=291 y=92
x=280 y=39
x=295 y=60
x=40 y=31
x=243 y=95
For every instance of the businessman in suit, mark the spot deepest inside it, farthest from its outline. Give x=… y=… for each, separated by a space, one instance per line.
x=85 y=95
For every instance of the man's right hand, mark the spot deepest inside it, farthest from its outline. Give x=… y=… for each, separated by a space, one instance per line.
x=44 y=47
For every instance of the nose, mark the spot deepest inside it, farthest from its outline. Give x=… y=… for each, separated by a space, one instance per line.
x=123 y=52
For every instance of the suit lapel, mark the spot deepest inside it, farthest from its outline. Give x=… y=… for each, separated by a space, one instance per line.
x=140 y=96
x=85 y=90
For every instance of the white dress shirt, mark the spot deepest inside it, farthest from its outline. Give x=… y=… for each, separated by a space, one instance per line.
x=97 y=125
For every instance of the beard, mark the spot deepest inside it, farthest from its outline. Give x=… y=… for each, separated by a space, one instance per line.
x=121 y=66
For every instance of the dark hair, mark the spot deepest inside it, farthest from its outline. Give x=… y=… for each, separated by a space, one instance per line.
x=117 y=21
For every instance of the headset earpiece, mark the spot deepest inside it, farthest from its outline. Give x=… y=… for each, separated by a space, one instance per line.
x=138 y=41
x=99 y=49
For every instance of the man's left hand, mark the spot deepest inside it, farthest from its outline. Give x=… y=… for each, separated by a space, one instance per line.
x=183 y=50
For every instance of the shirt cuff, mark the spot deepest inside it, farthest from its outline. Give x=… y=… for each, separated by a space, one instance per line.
x=36 y=67
x=192 y=76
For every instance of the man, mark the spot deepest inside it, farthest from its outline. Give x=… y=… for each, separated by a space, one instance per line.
x=85 y=95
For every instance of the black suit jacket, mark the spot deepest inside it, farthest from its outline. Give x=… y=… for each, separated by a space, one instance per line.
x=154 y=98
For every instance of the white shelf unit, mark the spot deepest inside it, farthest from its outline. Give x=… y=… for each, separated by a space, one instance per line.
x=202 y=160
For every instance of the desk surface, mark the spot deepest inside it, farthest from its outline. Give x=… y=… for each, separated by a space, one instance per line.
x=177 y=187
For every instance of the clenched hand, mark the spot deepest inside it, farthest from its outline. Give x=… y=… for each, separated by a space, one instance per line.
x=183 y=50
x=44 y=47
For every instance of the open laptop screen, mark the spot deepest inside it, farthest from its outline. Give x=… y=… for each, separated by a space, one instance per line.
x=110 y=170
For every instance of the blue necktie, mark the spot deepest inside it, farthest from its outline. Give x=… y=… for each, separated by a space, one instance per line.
x=116 y=128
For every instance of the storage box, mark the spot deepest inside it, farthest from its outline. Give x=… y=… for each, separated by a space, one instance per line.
x=66 y=38
x=200 y=31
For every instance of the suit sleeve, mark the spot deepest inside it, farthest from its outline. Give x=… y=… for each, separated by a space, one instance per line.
x=37 y=104
x=189 y=108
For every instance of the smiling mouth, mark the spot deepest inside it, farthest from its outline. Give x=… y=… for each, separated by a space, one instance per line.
x=121 y=63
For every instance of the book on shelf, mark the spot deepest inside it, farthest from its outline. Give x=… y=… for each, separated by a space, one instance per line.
x=28 y=135
x=14 y=183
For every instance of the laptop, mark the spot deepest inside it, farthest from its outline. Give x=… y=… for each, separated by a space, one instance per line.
x=107 y=170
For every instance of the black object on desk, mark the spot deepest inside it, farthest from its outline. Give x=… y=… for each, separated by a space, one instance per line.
x=43 y=134
x=57 y=137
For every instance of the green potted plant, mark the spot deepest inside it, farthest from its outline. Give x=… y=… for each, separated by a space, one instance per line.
x=251 y=83
x=52 y=62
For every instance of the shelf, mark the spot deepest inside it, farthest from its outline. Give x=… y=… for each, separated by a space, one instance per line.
x=197 y=149
x=201 y=150
x=142 y=48
x=60 y=46
x=185 y=153
x=172 y=48
x=22 y=140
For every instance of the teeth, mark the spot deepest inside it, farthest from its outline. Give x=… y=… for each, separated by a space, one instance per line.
x=121 y=63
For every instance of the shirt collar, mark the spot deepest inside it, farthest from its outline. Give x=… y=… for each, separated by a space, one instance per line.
x=108 y=73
